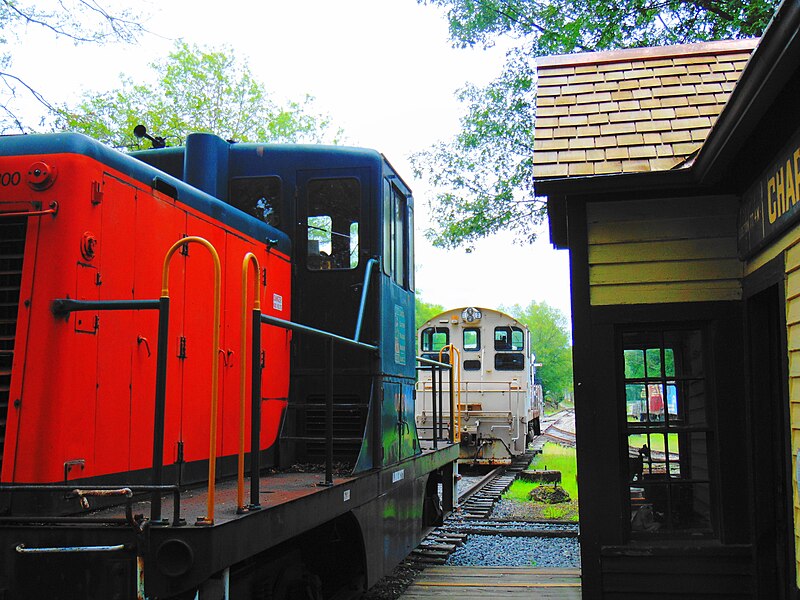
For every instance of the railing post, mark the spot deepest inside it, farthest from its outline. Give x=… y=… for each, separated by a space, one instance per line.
x=255 y=417
x=212 y=452
x=255 y=352
x=160 y=406
x=433 y=408
x=433 y=398
x=441 y=393
x=452 y=405
x=329 y=413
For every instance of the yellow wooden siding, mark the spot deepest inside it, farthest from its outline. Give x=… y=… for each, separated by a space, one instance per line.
x=792 y=265
x=655 y=251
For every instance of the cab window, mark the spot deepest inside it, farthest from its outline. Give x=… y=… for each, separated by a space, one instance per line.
x=398 y=232
x=434 y=339
x=509 y=339
x=472 y=339
x=259 y=197
x=333 y=224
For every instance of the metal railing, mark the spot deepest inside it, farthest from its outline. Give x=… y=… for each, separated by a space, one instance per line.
x=436 y=368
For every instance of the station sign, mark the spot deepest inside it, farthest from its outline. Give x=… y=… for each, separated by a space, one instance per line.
x=772 y=204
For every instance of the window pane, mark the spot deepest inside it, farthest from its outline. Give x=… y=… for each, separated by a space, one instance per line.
x=688 y=353
x=694 y=398
x=653 y=365
x=502 y=338
x=635 y=404
x=332 y=224
x=259 y=197
x=668 y=440
x=398 y=232
x=387 y=228
x=669 y=362
x=439 y=341
x=509 y=338
x=517 y=339
x=634 y=364
x=410 y=238
x=472 y=365
x=509 y=362
x=353 y=245
x=472 y=339
x=434 y=339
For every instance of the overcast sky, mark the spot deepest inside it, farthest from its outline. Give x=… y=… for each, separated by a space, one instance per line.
x=383 y=69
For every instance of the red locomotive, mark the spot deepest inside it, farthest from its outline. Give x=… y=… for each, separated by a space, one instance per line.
x=167 y=327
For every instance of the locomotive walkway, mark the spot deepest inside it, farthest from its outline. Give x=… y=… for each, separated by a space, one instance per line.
x=460 y=583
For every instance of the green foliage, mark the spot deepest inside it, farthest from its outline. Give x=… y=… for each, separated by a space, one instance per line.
x=196 y=90
x=484 y=176
x=559 y=458
x=424 y=311
x=550 y=342
x=563 y=26
x=555 y=458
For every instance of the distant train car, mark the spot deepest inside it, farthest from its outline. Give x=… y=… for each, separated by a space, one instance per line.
x=497 y=398
x=178 y=318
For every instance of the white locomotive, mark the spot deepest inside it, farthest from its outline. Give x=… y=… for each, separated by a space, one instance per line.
x=497 y=401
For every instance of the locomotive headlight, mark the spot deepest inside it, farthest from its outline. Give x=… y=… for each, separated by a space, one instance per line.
x=41 y=176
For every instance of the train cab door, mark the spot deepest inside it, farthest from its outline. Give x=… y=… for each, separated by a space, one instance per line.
x=332 y=247
x=331 y=253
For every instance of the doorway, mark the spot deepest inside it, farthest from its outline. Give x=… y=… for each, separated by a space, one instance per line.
x=773 y=523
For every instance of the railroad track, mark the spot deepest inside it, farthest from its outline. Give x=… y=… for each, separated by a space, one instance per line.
x=472 y=517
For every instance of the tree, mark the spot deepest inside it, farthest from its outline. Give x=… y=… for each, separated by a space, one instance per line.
x=77 y=20
x=550 y=342
x=484 y=175
x=196 y=90
x=425 y=311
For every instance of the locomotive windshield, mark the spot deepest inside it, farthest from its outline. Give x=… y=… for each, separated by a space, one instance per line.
x=332 y=224
x=509 y=338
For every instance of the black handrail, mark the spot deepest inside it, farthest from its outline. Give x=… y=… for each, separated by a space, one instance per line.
x=436 y=368
x=62 y=307
x=330 y=339
x=85 y=490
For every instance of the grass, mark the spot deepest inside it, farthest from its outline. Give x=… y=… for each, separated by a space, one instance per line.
x=656 y=441
x=555 y=458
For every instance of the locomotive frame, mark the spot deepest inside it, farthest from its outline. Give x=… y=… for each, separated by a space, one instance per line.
x=98 y=384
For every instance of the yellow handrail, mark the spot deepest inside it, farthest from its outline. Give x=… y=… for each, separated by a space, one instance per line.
x=455 y=367
x=249 y=259
x=212 y=455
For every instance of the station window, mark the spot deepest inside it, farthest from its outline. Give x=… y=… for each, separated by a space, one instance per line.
x=509 y=338
x=472 y=339
x=509 y=361
x=332 y=224
x=398 y=233
x=668 y=433
x=434 y=339
x=259 y=197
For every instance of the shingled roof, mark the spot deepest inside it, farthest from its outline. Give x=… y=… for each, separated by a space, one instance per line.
x=644 y=109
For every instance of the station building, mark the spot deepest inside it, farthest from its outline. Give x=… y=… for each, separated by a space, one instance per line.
x=672 y=176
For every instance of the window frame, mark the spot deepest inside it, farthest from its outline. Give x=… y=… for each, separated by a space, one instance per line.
x=333 y=260
x=477 y=331
x=677 y=430
x=398 y=234
x=509 y=346
x=436 y=330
